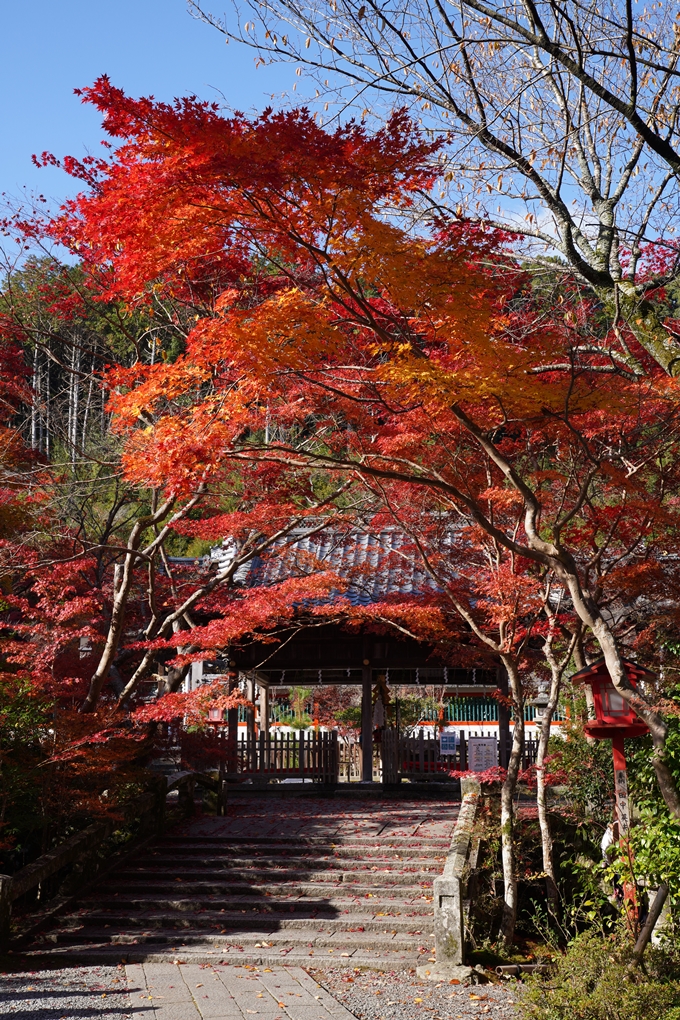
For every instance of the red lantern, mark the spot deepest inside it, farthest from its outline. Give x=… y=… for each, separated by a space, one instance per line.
x=215 y=715
x=615 y=720
x=614 y=716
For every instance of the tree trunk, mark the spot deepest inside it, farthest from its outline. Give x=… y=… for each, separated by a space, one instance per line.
x=35 y=402
x=46 y=447
x=73 y=401
x=543 y=819
x=174 y=679
x=86 y=414
x=122 y=583
x=508 y=805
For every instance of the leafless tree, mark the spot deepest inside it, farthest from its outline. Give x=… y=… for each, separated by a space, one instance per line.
x=560 y=119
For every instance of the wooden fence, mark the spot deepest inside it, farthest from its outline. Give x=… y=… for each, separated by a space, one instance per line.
x=262 y=758
x=322 y=758
x=420 y=757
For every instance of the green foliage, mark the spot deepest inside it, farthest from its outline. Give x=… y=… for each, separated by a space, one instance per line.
x=299 y=699
x=590 y=773
x=296 y=713
x=641 y=776
x=414 y=709
x=594 y=980
x=53 y=780
x=655 y=837
x=655 y=845
x=24 y=732
x=197 y=547
x=579 y=874
x=350 y=718
x=579 y=871
x=23 y=713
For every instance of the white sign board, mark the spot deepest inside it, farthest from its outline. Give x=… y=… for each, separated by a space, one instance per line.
x=448 y=742
x=482 y=753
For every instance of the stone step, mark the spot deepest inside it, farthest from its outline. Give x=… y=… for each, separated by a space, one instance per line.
x=339 y=889
x=232 y=924
x=108 y=954
x=287 y=851
x=342 y=941
x=329 y=906
x=224 y=887
x=281 y=878
x=329 y=862
x=295 y=842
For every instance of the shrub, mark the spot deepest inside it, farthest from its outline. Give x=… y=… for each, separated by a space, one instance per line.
x=593 y=980
x=590 y=774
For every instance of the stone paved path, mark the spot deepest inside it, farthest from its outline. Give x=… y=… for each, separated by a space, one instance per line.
x=327 y=818
x=189 y=991
x=220 y=991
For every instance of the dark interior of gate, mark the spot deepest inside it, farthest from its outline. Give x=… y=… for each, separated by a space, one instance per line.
x=376 y=673
x=380 y=667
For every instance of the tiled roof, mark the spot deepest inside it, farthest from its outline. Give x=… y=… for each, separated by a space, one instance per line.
x=375 y=565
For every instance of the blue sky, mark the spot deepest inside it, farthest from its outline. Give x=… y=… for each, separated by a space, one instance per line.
x=146 y=47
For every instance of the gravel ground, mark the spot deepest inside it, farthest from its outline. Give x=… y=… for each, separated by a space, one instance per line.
x=76 y=993
x=401 y=996
x=100 y=993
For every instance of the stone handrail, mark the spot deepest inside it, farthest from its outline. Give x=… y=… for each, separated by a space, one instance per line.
x=150 y=805
x=449 y=915
x=185 y=782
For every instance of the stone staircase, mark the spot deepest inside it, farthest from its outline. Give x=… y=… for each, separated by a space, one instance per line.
x=307 y=881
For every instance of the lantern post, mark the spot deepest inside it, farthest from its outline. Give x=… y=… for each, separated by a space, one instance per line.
x=614 y=720
x=621 y=786
x=216 y=717
x=540 y=702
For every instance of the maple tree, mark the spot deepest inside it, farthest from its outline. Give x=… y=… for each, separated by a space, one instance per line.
x=342 y=368
x=332 y=340
x=54 y=764
x=89 y=514
x=354 y=340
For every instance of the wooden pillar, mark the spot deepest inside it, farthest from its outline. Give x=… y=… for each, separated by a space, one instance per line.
x=264 y=710
x=250 y=715
x=251 y=750
x=366 y=723
x=621 y=787
x=232 y=724
x=5 y=910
